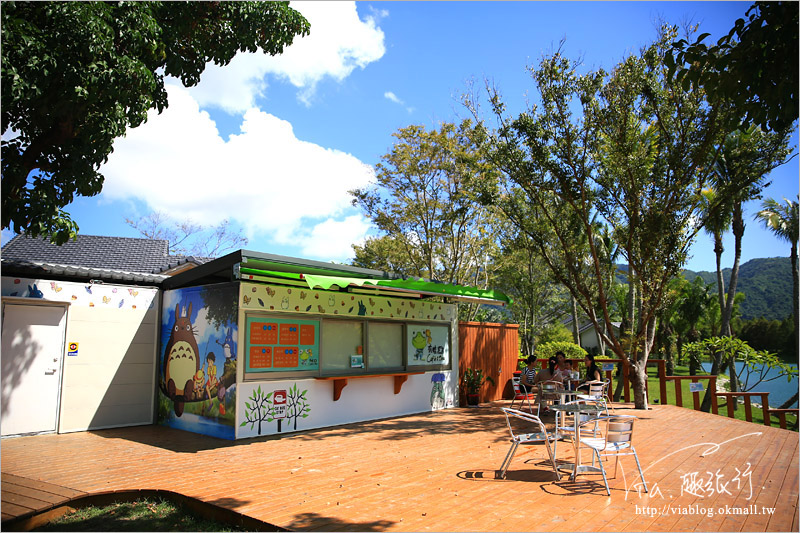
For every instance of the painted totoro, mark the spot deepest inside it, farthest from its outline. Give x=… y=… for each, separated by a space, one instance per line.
x=181 y=360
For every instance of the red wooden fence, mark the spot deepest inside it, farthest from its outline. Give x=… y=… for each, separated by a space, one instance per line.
x=494 y=348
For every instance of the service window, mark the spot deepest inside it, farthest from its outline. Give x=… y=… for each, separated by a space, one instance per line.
x=385 y=346
x=280 y=345
x=342 y=347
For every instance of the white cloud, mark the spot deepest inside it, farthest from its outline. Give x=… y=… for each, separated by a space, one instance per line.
x=389 y=95
x=263 y=178
x=329 y=238
x=339 y=42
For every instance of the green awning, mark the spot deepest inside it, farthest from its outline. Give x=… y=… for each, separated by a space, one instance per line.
x=457 y=292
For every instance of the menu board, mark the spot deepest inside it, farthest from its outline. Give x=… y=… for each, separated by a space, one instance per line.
x=280 y=344
x=428 y=344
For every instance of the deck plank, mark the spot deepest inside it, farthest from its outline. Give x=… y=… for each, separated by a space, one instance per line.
x=427 y=472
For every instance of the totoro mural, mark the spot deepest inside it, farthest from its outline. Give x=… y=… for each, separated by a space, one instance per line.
x=197 y=367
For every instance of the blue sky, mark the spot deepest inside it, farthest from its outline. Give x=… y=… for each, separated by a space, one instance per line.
x=273 y=144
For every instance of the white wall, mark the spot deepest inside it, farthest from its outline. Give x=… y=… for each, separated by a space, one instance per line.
x=109 y=380
x=367 y=398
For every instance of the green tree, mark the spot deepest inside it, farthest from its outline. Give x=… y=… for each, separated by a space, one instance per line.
x=718 y=221
x=629 y=146
x=423 y=202
x=743 y=161
x=76 y=75
x=784 y=221
x=538 y=302
x=754 y=66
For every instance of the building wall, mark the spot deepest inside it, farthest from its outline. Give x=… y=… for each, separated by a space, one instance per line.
x=108 y=374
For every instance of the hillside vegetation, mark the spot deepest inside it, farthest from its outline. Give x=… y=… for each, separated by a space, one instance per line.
x=766 y=284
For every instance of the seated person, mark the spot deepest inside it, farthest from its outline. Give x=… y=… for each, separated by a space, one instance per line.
x=593 y=372
x=528 y=376
x=545 y=374
x=562 y=370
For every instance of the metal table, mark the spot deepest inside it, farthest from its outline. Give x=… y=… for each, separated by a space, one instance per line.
x=578 y=409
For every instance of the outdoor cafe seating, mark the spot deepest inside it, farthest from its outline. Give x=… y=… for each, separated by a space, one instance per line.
x=521 y=393
x=616 y=440
x=530 y=430
x=598 y=390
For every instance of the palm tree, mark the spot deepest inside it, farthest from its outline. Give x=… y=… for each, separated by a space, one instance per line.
x=783 y=221
x=718 y=217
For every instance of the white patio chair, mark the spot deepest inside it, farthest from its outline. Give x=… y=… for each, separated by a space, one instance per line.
x=565 y=423
x=598 y=391
x=544 y=397
x=536 y=435
x=617 y=440
x=521 y=394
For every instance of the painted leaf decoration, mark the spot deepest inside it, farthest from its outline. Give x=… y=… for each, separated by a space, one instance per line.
x=260 y=302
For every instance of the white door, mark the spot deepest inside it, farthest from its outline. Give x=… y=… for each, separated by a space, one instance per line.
x=33 y=346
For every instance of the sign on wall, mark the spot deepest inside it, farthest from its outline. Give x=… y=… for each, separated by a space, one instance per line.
x=280 y=344
x=427 y=344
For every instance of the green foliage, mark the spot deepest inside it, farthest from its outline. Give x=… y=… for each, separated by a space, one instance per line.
x=769 y=335
x=626 y=148
x=549 y=349
x=474 y=378
x=424 y=203
x=76 y=75
x=754 y=66
x=730 y=349
x=766 y=282
x=554 y=333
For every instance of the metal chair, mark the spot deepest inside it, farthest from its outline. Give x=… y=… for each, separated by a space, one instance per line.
x=543 y=397
x=536 y=436
x=618 y=437
x=598 y=391
x=521 y=393
x=565 y=427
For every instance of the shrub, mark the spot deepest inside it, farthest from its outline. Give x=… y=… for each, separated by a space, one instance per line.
x=571 y=350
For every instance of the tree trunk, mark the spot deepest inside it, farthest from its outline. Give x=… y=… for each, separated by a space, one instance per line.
x=788 y=404
x=601 y=345
x=576 y=338
x=718 y=250
x=639 y=366
x=716 y=363
x=796 y=287
x=738 y=232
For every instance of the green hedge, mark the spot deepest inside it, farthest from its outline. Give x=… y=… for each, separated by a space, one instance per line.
x=549 y=349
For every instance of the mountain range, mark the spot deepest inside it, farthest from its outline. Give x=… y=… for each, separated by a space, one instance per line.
x=766 y=284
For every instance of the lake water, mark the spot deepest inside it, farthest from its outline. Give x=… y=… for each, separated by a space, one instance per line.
x=780 y=390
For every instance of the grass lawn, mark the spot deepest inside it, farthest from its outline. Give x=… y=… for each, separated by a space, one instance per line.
x=140 y=515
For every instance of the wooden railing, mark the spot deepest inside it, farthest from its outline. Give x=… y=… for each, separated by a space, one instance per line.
x=712 y=385
x=730 y=399
x=748 y=409
x=781 y=414
x=663 y=378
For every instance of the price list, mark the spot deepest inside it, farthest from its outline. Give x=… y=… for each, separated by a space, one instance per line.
x=281 y=344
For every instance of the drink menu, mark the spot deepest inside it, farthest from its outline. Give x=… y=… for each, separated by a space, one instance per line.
x=279 y=344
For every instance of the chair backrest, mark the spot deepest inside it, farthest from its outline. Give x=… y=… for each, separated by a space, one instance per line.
x=515 y=381
x=538 y=426
x=584 y=417
x=597 y=389
x=620 y=429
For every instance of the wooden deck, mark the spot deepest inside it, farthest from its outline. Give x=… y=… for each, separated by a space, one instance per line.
x=436 y=472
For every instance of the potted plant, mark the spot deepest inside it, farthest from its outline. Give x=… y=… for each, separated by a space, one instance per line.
x=473 y=379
